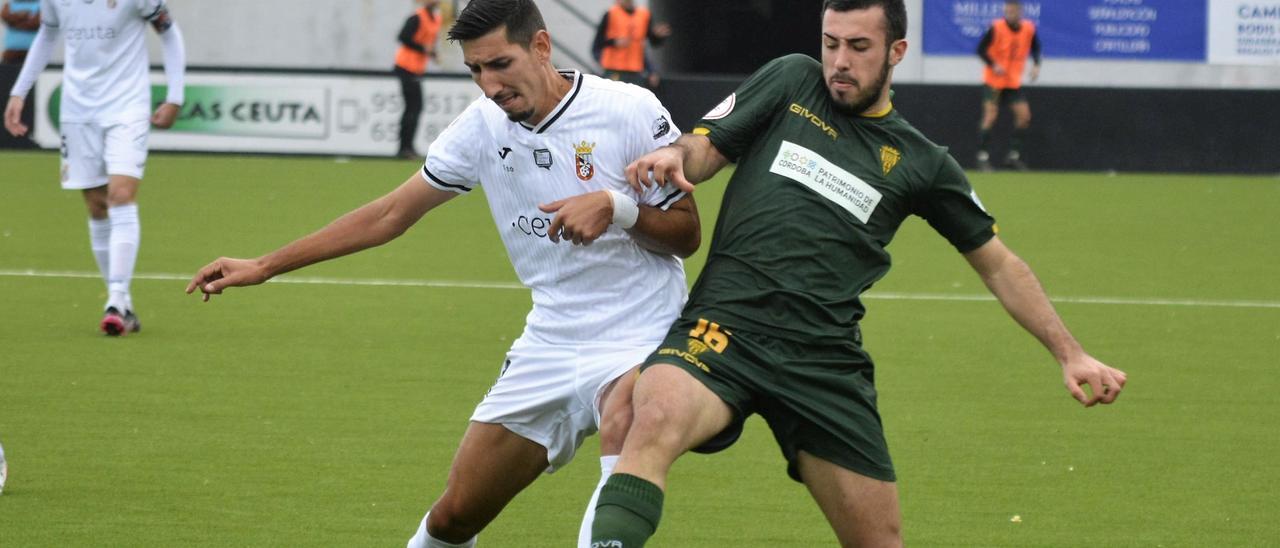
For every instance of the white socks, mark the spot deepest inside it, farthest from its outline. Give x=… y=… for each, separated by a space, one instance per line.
x=584 y=532
x=422 y=539
x=123 y=254
x=100 y=242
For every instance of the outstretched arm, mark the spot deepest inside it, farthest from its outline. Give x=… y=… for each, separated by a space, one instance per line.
x=1015 y=285
x=373 y=224
x=175 y=68
x=684 y=163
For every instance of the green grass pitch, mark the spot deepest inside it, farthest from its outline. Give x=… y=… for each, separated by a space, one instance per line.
x=327 y=414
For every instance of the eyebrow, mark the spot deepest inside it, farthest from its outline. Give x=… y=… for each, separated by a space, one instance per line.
x=846 y=40
x=487 y=62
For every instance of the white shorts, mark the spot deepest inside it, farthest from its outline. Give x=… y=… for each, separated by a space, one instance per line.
x=549 y=394
x=92 y=151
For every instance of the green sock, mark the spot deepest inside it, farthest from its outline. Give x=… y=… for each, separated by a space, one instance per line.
x=627 y=513
x=1015 y=142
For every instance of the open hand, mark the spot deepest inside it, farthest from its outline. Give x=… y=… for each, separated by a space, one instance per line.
x=226 y=272
x=662 y=166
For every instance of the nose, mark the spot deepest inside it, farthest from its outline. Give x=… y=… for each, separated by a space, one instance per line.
x=488 y=83
x=844 y=59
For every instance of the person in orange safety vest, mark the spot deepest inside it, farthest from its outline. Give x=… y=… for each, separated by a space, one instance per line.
x=417 y=44
x=620 y=42
x=1004 y=49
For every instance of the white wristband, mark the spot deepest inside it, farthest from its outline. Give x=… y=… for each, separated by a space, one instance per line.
x=625 y=210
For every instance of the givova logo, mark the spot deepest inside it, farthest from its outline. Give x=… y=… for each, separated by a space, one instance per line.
x=607 y=544
x=248 y=111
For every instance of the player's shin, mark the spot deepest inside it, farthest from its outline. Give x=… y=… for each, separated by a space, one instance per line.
x=423 y=539
x=100 y=243
x=126 y=232
x=627 y=513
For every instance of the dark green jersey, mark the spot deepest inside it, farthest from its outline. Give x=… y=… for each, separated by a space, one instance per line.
x=816 y=197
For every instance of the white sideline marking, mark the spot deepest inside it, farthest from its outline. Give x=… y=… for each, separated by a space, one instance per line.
x=286 y=279
x=455 y=284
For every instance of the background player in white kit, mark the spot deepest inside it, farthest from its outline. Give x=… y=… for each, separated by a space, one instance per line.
x=105 y=112
x=551 y=148
x=4 y=469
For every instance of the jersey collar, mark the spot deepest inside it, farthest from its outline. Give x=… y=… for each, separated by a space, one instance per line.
x=573 y=76
x=880 y=114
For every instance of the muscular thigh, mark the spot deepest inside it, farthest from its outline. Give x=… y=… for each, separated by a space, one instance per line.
x=863 y=511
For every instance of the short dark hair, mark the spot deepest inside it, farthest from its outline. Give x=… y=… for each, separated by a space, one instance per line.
x=895 y=12
x=480 y=17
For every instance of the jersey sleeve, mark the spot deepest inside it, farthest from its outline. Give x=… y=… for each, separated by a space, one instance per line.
x=651 y=128
x=742 y=116
x=452 y=164
x=150 y=9
x=48 y=14
x=952 y=208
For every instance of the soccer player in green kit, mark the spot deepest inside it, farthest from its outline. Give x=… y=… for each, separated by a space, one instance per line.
x=827 y=171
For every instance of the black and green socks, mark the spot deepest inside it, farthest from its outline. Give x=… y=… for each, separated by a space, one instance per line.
x=1015 y=142
x=627 y=513
x=984 y=137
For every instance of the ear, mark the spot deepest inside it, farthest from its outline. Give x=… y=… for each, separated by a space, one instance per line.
x=897 y=51
x=541 y=45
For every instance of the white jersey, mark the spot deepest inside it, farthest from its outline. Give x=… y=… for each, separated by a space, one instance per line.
x=106 y=72
x=612 y=290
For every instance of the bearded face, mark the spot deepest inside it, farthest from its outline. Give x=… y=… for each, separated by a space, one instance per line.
x=857 y=57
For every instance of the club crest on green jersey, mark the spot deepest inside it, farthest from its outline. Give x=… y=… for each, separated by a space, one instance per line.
x=889 y=157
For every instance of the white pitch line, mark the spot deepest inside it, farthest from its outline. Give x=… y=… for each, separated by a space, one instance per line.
x=456 y=284
x=286 y=279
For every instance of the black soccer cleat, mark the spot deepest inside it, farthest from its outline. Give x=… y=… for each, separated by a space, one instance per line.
x=1014 y=162
x=984 y=162
x=115 y=324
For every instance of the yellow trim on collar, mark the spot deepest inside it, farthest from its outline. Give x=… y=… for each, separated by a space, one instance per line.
x=880 y=114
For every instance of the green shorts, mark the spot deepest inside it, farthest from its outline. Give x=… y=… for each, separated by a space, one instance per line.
x=1003 y=96
x=817 y=398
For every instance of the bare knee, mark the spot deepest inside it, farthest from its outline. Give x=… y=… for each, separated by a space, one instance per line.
x=120 y=196
x=122 y=190
x=989 y=115
x=95 y=201
x=1023 y=118
x=655 y=424
x=448 y=522
x=883 y=534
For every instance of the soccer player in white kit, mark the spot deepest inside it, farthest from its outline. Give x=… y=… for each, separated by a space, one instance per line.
x=4 y=469
x=550 y=148
x=105 y=119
